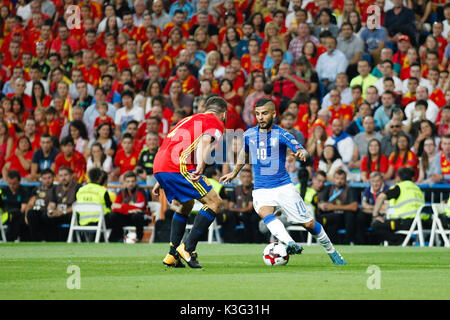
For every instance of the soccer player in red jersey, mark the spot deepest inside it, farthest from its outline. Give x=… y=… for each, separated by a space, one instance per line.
x=178 y=170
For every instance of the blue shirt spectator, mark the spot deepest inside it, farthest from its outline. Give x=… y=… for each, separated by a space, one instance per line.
x=373 y=38
x=184 y=6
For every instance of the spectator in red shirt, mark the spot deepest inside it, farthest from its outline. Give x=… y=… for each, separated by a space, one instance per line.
x=402 y=157
x=91 y=73
x=374 y=161
x=128 y=209
x=286 y=84
x=20 y=159
x=64 y=37
x=69 y=157
x=126 y=158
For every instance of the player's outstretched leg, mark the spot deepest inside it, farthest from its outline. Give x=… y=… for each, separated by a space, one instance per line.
x=203 y=220
x=276 y=227
x=177 y=229
x=316 y=229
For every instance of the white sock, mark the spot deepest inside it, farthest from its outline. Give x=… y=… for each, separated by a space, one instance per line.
x=324 y=241
x=276 y=227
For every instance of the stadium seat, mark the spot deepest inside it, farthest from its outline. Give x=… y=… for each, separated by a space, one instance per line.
x=100 y=228
x=437 y=228
x=417 y=224
x=214 y=228
x=155 y=208
x=294 y=227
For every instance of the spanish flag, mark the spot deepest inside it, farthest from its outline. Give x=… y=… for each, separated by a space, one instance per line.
x=68 y=108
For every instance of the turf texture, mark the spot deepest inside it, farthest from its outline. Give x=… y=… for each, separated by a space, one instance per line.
x=231 y=272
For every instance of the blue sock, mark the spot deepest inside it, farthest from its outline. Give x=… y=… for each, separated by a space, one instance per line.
x=317 y=228
x=202 y=222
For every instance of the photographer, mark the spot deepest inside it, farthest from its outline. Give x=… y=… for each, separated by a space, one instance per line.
x=286 y=85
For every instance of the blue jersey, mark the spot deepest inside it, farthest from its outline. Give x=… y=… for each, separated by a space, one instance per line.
x=268 y=155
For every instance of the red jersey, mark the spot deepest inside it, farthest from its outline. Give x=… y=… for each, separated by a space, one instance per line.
x=124 y=162
x=77 y=163
x=344 y=112
x=411 y=161
x=176 y=153
x=91 y=75
x=17 y=165
x=383 y=165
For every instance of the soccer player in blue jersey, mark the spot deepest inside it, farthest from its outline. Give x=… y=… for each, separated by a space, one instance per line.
x=266 y=146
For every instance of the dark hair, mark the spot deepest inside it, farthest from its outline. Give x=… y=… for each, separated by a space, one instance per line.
x=397 y=150
x=346 y=23
x=216 y=104
x=128 y=93
x=320 y=173
x=406 y=173
x=95 y=175
x=98 y=144
x=47 y=171
x=340 y=172
x=127 y=136
x=303 y=176
x=369 y=156
x=13 y=174
x=210 y=171
x=33 y=97
x=263 y=22
x=101 y=125
x=261 y=102
x=336 y=154
x=227 y=81
x=66 y=140
x=129 y=174
x=132 y=122
x=68 y=169
x=81 y=127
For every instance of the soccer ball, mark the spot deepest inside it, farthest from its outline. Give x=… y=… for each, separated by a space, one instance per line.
x=275 y=254
x=130 y=237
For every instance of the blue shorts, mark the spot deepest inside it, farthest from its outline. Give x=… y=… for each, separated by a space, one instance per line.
x=180 y=187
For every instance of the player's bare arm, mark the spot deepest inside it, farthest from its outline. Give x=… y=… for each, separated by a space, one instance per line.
x=243 y=158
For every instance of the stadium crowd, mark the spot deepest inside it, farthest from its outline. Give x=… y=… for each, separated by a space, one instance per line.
x=364 y=85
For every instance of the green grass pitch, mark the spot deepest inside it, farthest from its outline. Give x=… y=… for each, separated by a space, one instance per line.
x=231 y=271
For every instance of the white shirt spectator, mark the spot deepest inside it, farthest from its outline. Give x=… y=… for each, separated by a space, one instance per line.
x=107 y=165
x=431 y=114
x=397 y=82
x=345 y=147
x=346 y=98
x=328 y=66
x=123 y=115
x=102 y=25
x=423 y=83
x=29 y=86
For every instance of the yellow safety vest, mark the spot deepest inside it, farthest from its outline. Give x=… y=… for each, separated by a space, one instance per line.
x=4 y=215
x=91 y=193
x=217 y=186
x=309 y=195
x=447 y=208
x=409 y=201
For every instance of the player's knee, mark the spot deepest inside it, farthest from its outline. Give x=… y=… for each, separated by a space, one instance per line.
x=215 y=204
x=309 y=224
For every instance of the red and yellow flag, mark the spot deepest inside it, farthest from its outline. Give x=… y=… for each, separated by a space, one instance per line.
x=68 y=108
